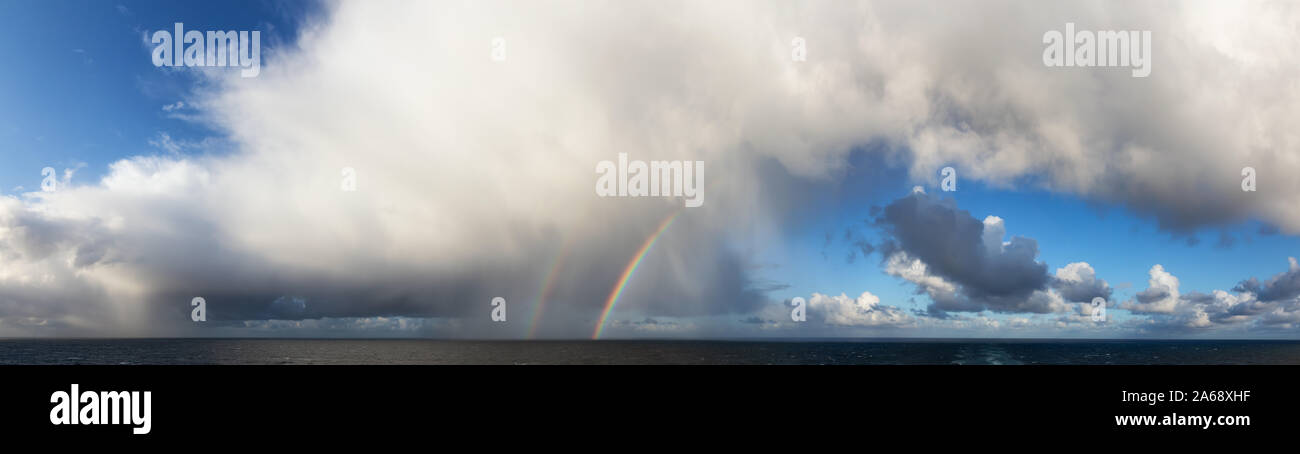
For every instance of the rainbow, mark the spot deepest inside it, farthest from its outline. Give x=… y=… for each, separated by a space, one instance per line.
x=627 y=274
x=539 y=304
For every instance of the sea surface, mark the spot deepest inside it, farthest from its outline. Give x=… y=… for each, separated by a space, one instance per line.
x=383 y=351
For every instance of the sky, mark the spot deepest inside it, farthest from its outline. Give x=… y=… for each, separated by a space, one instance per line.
x=396 y=166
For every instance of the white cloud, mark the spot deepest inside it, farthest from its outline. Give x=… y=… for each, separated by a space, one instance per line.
x=1161 y=295
x=865 y=310
x=994 y=230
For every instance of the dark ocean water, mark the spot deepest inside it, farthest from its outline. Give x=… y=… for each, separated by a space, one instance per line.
x=321 y=351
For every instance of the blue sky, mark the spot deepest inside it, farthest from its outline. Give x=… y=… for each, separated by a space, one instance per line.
x=1068 y=229
x=475 y=172
x=84 y=94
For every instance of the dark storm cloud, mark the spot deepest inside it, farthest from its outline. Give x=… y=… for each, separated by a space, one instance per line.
x=1283 y=286
x=688 y=266
x=952 y=245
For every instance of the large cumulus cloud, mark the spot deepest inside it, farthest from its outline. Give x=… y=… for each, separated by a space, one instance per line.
x=965 y=265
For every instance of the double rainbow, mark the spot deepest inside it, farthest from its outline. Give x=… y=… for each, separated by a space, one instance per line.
x=539 y=304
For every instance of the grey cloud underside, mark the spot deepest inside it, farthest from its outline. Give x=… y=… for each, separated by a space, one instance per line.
x=1082 y=291
x=1283 y=286
x=245 y=285
x=951 y=244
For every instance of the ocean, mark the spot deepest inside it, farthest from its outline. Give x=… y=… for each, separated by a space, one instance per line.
x=384 y=351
